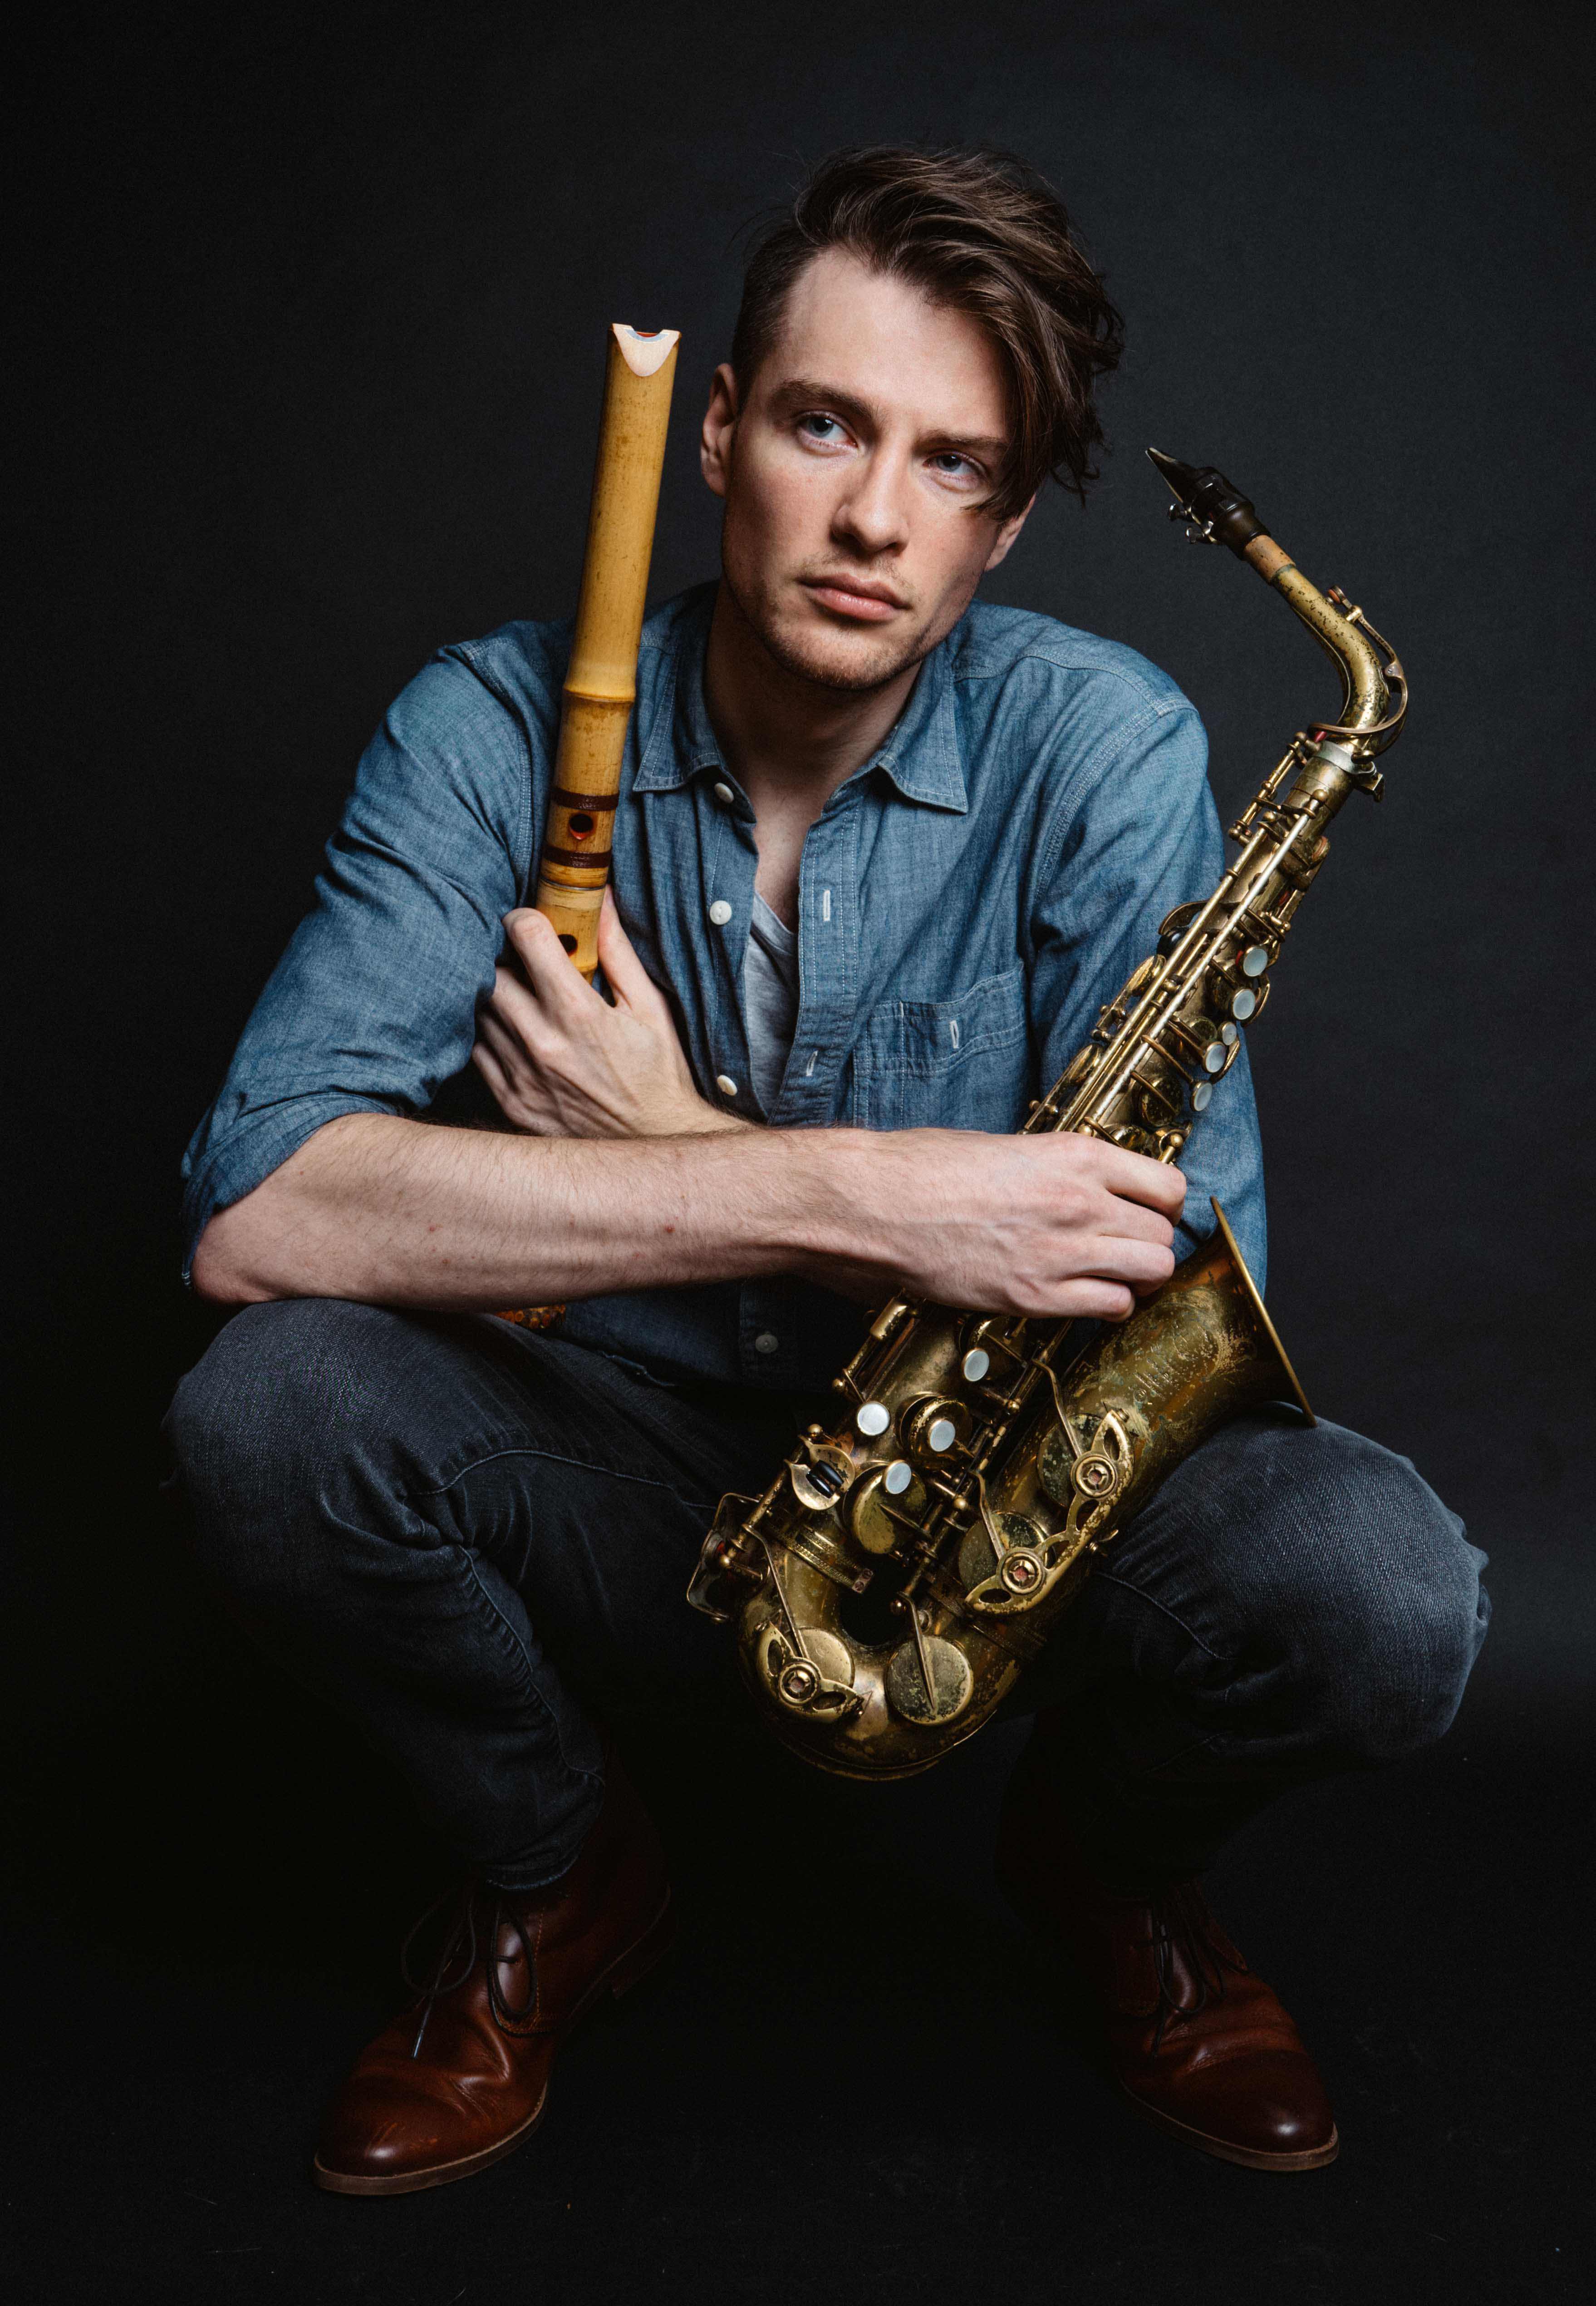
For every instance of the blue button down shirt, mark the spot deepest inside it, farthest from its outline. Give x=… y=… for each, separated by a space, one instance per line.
x=967 y=901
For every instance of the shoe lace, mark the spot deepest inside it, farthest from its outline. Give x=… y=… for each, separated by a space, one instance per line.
x=458 y=1949
x=1183 y=1928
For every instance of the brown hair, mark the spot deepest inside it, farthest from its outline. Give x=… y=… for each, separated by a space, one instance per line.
x=981 y=231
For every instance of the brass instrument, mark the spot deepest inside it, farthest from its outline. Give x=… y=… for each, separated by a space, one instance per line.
x=906 y=1563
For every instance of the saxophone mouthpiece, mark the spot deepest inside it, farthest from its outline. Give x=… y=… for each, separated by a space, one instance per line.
x=1206 y=503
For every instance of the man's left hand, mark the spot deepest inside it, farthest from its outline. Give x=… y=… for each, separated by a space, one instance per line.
x=561 y=1061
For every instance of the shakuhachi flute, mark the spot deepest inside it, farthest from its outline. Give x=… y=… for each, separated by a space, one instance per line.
x=601 y=684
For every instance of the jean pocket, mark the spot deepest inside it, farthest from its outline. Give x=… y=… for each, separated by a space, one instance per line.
x=961 y=1064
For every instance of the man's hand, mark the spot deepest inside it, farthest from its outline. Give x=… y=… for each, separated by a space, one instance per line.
x=562 y=1063
x=1055 y=1225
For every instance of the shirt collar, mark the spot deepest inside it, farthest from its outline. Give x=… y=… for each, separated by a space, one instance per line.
x=921 y=755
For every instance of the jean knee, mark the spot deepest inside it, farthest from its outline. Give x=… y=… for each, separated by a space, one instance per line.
x=1401 y=1611
x=257 y=1425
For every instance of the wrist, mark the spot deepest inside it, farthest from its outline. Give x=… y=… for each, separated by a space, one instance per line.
x=835 y=1210
x=697 y=1119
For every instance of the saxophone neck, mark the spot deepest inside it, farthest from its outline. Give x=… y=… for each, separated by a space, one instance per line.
x=1374 y=688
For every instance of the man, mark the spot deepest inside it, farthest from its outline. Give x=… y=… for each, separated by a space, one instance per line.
x=880 y=855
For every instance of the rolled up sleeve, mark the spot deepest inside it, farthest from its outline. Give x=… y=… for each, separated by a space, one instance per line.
x=373 y=1006
x=1133 y=834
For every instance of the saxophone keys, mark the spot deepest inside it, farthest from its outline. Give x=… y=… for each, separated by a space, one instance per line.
x=872 y=1419
x=928 y=1680
x=1056 y=1461
x=1175 y=926
x=877 y=1524
x=1095 y=1476
x=1158 y=1094
x=818 y=1679
x=1021 y=1572
x=821 y=1475
x=980 y=1560
x=988 y=1338
x=798 y=1684
x=934 y=1427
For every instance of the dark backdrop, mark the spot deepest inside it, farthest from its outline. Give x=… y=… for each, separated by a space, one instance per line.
x=315 y=314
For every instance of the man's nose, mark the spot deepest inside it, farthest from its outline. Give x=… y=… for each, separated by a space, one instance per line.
x=872 y=515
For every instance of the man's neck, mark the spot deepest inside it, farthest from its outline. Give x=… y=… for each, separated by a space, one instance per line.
x=789 y=740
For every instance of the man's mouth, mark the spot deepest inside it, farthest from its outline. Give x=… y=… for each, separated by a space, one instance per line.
x=859 y=597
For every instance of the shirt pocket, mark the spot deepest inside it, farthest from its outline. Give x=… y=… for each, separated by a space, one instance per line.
x=963 y=1064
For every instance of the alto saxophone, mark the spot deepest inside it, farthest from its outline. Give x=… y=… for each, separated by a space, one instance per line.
x=908 y=1562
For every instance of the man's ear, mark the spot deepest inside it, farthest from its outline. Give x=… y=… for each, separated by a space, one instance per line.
x=720 y=424
x=1006 y=535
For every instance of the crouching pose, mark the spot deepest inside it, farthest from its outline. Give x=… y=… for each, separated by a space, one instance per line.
x=881 y=853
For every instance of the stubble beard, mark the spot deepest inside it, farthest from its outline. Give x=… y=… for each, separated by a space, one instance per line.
x=851 y=674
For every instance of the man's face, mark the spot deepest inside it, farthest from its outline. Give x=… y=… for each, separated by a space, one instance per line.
x=854 y=475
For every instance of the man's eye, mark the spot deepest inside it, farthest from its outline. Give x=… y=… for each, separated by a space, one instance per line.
x=815 y=427
x=951 y=462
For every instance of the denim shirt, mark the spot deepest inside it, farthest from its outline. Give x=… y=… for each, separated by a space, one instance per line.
x=967 y=901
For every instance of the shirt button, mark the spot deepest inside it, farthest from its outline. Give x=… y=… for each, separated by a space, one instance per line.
x=725 y=1084
x=765 y=1343
x=725 y=793
x=720 y=912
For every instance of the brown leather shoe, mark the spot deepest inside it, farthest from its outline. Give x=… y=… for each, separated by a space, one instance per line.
x=1196 y=2043
x=461 y=2076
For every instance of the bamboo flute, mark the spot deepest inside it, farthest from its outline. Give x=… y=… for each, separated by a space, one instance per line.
x=600 y=684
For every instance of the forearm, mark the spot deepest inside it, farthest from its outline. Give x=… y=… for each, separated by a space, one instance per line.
x=397 y=1212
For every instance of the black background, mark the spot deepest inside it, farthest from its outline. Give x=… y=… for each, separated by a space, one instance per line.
x=314 y=312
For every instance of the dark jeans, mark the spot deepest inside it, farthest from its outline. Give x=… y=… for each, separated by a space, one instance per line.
x=475 y=1541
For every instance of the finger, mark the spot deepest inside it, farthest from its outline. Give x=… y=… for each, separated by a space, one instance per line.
x=624 y=973
x=492 y=1073
x=1134 y=1221
x=516 y=1007
x=1093 y=1301
x=1113 y=1258
x=544 y=959
x=506 y=1048
x=508 y=986
x=1135 y=1178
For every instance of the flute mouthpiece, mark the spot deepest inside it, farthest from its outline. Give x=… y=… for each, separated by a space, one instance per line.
x=646 y=351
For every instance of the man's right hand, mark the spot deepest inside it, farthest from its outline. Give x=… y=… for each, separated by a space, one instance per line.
x=1055 y=1225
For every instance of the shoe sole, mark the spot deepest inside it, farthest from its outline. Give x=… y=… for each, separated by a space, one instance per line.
x=629 y=1968
x=1246 y=2157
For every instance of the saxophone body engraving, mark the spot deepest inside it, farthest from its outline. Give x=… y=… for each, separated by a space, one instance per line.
x=908 y=1560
